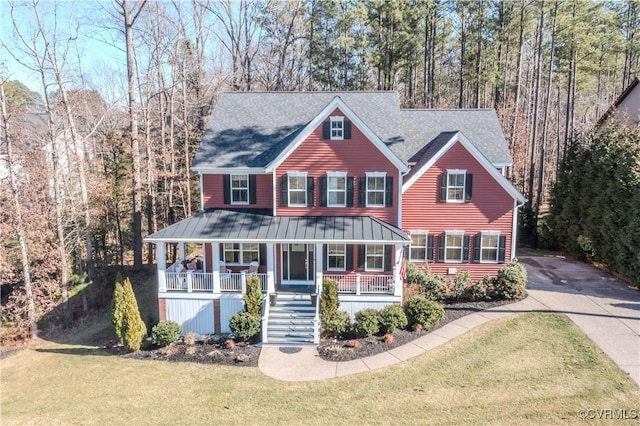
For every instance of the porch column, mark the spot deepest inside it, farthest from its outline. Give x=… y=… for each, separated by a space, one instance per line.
x=271 y=268
x=396 y=271
x=215 y=265
x=319 y=263
x=181 y=255
x=162 y=267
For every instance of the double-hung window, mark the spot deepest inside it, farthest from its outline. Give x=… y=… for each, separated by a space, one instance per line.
x=297 y=189
x=376 y=189
x=336 y=257
x=241 y=253
x=336 y=189
x=374 y=257
x=455 y=186
x=418 y=249
x=239 y=189
x=454 y=243
x=337 y=128
x=489 y=246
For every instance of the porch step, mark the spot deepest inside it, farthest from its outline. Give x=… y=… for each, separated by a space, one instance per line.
x=291 y=320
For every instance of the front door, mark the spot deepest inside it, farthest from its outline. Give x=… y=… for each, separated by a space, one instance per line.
x=297 y=263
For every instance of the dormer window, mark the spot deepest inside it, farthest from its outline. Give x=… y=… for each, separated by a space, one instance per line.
x=337 y=128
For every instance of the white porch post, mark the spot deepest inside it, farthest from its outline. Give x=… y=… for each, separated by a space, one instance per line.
x=271 y=268
x=162 y=267
x=319 y=262
x=215 y=260
x=397 y=280
x=181 y=255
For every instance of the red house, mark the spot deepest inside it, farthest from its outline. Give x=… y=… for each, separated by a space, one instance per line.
x=298 y=187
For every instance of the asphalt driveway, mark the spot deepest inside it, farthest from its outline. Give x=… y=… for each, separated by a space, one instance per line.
x=604 y=307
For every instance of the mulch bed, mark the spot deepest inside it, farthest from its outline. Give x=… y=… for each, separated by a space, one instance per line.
x=216 y=351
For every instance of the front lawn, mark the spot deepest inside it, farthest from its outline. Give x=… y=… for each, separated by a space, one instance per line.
x=530 y=368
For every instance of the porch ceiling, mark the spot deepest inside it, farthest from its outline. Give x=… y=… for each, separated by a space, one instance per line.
x=233 y=226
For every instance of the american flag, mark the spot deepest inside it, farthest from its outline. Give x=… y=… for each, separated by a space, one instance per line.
x=403 y=269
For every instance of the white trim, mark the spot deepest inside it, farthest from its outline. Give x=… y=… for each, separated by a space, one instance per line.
x=231 y=189
x=241 y=252
x=274 y=193
x=426 y=245
x=384 y=189
x=201 y=191
x=484 y=162
x=337 y=102
x=366 y=255
x=302 y=175
x=336 y=119
x=398 y=194
x=229 y=170
x=454 y=232
x=344 y=257
x=497 y=247
x=514 y=231
x=337 y=175
x=457 y=172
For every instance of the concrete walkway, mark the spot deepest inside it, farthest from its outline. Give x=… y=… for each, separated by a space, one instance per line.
x=607 y=310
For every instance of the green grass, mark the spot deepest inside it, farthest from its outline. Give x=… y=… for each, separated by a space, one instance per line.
x=534 y=368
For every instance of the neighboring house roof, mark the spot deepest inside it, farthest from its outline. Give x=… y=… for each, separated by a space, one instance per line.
x=234 y=226
x=632 y=113
x=252 y=130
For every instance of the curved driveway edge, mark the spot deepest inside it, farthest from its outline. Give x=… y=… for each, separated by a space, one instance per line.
x=607 y=310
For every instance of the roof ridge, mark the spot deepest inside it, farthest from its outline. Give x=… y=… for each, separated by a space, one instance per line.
x=448 y=109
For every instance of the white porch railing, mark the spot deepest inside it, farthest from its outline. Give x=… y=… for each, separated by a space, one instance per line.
x=361 y=283
x=203 y=281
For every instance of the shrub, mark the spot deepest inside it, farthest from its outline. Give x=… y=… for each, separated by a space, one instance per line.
x=477 y=290
x=459 y=286
x=423 y=311
x=126 y=317
x=392 y=317
x=329 y=303
x=244 y=325
x=415 y=275
x=165 y=333
x=510 y=282
x=434 y=287
x=191 y=338
x=253 y=297
x=337 y=324
x=367 y=322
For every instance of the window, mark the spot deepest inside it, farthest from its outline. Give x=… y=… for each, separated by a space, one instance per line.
x=455 y=186
x=336 y=257
x=239 y=189
x=241 y=253
x=454 y=242
x=337 y=128
x=376 y=189
x=297 y=189
x=336 y=189
x=489 y=246
x=374 y=255
x=418 y=250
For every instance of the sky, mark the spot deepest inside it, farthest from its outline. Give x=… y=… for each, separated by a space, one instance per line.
x=94 y=58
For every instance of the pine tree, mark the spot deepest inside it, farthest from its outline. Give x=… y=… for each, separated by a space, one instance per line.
x=125 y=315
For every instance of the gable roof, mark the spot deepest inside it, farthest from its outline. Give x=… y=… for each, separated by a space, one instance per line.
x=253 y=130
x=441 y=145
x=613 y=108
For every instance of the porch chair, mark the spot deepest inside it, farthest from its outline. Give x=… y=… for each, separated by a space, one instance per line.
x=225 y=274
x=253 y=268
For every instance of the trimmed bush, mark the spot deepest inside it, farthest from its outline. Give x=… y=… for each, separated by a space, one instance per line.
x=165 y=333
x=510 y=282
x=337 y=324
x=420 y=310
x=244 y=325
x=329 y=303
x=253 y=297
x=392 y=317
x=367 y=322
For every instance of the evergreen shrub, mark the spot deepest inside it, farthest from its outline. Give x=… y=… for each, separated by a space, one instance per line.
x=165 y=333
x=245 y=325
x=392 y=318
x=367 y=322
x=422 y=311
x=253 y=297
x=329 y=302
x=337 y=324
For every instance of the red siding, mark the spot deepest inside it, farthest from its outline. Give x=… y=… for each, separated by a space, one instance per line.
x=213 y=195
x=355 y=156
x=490 y=209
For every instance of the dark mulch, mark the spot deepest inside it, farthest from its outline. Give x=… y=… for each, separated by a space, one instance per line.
x=346 y=350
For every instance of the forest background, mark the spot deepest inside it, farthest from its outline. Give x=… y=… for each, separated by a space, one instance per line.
x=104 y=103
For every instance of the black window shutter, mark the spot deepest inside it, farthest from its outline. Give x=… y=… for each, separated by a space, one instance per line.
x=441 y=243
x=477 y=241
x=326 y=130
x=323 y=191
x=221 y=251
x=502 y=248
x=430 y=248
x=262 y=249
x=350 y=191
x=325 y=258
x=253 y=193
x=284 y=191
x=361 y=257
x=310 y=191
x=226 y=188
x=465 y=248
x=443 y=187
x=468 y=186
x=388 y=191
x=388 y=258
x=362 y=191
x=349 y=257
x=347 y=130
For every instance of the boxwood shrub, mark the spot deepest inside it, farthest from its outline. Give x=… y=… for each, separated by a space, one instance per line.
x=420 y=310
x=367 y=322
x=165 y=333
x=392 y=317
x=245 y=325
x=337 y=323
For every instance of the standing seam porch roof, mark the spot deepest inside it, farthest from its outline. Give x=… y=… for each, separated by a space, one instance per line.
x=234 y=226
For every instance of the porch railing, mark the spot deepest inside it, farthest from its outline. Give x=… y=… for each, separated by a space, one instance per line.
x=203 y=281
x=361 y=283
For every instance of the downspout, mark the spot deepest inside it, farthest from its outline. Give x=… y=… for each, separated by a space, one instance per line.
x=514 y=230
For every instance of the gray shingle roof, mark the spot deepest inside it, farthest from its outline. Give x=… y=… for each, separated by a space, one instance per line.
x=234 y=226
x=250 y=129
